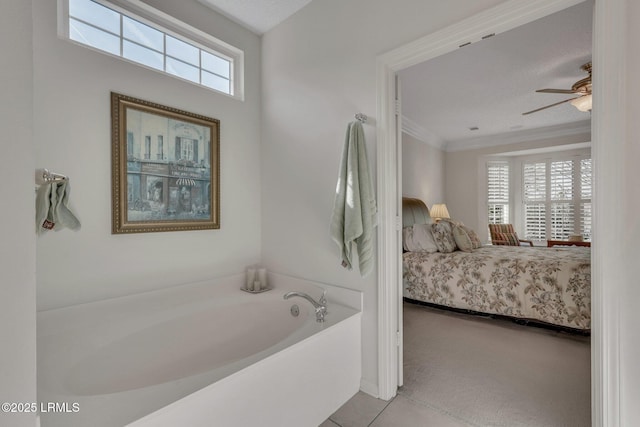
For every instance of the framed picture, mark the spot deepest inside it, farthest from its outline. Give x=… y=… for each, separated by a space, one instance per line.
x=165 y=168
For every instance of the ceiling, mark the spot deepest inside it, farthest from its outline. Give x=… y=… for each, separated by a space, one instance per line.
x=486 y=85
x=257 y=15
x=489 y=84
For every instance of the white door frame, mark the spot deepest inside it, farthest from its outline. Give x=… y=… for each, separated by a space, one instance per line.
x=607 y=126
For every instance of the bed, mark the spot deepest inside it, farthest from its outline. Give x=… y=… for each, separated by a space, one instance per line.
x=545 y=286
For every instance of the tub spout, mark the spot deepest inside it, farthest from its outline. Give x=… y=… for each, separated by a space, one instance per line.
x=320 y=307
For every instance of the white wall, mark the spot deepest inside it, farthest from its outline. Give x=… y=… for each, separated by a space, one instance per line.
x=462 y=176
x=318 y=71
x=17 y=245
x=72 y=134
x=422 y=171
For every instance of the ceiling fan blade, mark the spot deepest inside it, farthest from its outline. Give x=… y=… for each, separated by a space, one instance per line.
x=549 y=106
x=567 y=91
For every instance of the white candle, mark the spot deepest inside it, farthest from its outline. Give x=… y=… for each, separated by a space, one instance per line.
x=256 y=285
x=262 y=277
x=251 y=277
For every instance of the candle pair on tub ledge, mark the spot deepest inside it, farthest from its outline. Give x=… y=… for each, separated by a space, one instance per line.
x=256 y=280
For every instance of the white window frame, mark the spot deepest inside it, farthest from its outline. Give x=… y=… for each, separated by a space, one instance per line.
x=167 y=24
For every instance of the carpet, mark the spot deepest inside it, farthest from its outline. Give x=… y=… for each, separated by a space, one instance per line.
x=489 y=372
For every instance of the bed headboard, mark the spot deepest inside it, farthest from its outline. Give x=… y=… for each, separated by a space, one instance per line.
x=414 y=211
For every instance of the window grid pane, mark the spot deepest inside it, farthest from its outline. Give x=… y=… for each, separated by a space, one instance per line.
x=106 y=29
x=95 y=14
x=215 y=82
x=183 y=70
x=142 y=55
x=216 y=65
x=142 y=34
x=94 y=37
x=182 y=51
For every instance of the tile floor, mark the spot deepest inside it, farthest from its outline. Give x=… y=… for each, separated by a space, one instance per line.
x=363 y=411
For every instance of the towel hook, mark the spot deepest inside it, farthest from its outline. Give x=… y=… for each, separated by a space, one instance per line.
x=48 y=176
x=362 y=118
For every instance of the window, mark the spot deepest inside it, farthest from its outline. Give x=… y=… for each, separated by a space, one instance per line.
x=174 y=48
x=498 y=192
x=557 y=198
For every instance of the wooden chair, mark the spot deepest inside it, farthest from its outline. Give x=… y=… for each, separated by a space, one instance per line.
x=504 y=234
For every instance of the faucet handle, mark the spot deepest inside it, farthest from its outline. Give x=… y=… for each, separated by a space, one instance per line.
x=323 y=298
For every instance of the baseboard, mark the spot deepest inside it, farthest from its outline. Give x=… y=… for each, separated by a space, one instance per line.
x=370 y=388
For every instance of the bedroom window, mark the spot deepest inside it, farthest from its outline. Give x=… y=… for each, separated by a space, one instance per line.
x=154 y=40
x=556 y=194
x=498 y=192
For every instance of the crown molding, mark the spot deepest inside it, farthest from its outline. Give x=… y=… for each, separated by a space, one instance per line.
x=508 y=138
x=421 y=134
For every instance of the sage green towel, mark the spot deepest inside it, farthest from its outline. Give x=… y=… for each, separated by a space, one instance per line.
x=52 y=210
x=354 y=209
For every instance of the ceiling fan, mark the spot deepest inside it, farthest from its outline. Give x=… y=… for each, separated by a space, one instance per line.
x=581 y=88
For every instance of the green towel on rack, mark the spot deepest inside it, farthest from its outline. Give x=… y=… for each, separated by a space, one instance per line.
x=354 y=210
x=52 y=210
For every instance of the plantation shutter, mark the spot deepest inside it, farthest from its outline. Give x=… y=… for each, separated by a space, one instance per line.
x=534 y=198
x=562 y=204
x=498 y=192
x=586 y=189
x=557 y=198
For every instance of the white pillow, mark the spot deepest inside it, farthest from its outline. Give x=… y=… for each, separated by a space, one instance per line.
x=418 y=238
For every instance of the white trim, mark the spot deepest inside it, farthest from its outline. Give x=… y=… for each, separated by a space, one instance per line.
x=549 y=132
x=388 y=236
x=172 y=26
x=368 y=387
x=422 y=134
x=607 y=256
x=608 y=126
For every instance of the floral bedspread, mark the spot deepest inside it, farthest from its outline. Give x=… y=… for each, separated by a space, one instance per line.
x=551 y=285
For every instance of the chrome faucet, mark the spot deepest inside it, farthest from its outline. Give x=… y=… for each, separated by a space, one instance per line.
x=320 y=307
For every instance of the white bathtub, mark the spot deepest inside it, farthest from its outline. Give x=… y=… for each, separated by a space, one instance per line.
x=200 y=355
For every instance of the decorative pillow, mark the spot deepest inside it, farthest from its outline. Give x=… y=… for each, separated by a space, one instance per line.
x=418 y=238
x=510 y=239
x=463 y=241
x=443 y=237
x=475 y=240
x=453 y=222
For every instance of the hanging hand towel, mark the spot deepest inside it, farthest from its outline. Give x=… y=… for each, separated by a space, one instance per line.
x=354 y=208
x=52 y=211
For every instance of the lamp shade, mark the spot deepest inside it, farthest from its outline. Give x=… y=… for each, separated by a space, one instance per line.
x=439 y=211
x=583 y=103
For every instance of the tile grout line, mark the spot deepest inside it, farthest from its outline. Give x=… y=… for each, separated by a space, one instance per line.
x=383 y=409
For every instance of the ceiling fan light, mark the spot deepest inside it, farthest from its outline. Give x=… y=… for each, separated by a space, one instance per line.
x=583 y=103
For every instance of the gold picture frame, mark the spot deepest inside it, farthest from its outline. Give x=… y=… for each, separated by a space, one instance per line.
x=165 y=168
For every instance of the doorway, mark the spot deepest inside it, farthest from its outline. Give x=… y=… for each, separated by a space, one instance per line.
x=607 y=57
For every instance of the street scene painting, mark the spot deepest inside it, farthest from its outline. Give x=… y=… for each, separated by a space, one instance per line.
x=165 y=168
